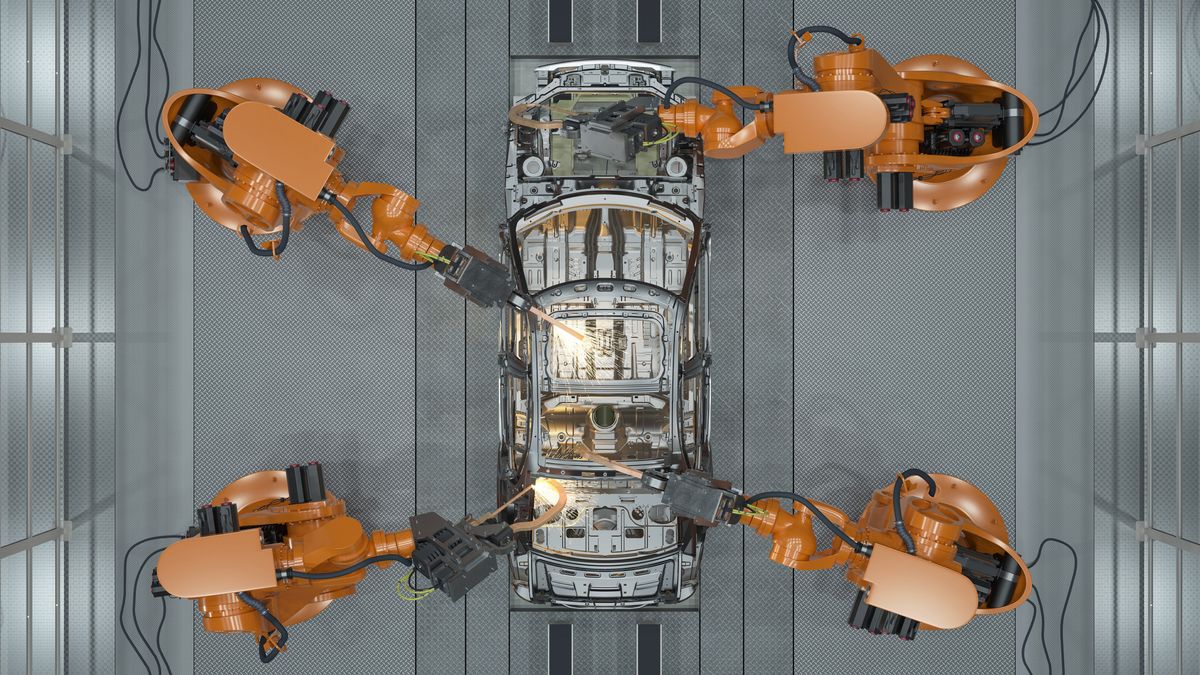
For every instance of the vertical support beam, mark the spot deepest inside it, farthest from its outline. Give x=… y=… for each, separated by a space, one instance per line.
x=721 y=575
x=1179 y=634
x=441 y=127
x=59 y=323
x=1148 y=323
x=560 y=20
x=29 y=329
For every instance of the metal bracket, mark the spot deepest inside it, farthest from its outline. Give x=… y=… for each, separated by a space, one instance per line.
x=1147 y=338
x=1145 y=533
x=59 y=336
x=1139 y=145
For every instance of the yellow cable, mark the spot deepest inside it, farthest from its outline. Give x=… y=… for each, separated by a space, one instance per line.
x=403 y=591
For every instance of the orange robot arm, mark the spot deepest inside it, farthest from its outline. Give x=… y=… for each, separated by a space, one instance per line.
x=934 y=132
x=259 y=158
x=944 y=561
x=275 y=548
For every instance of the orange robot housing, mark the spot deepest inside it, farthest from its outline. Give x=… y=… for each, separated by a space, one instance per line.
x=960 y=565
x=934 y=132
x=257 y=533
x=258 y=154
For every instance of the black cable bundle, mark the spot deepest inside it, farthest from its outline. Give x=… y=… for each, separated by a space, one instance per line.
x=160 y=659
x=1100 y=18
x=741 y=102
x=158 y=144
x=285 y=210
x=366 y=241
x=1035 y=603
x=794 y=39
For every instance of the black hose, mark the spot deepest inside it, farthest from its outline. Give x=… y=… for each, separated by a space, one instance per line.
x=125 y=593
x=285 y=209
x=166 y=73
x=743 y=103
x=897 y=513
x=797 y=71
x=830 y=30
x=136 y=626
x=1062 y=618
x=1099 y=82
x=817 y=513
x=1072 y=81
x=264 y=655
x=137 y=62
x=362 y=235
x=348 y=570
x=151 y=20
x=158 y=635
x=1037 y=596
x=1028 y=632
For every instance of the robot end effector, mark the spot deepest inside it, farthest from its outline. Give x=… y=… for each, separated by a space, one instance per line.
x=259 y=158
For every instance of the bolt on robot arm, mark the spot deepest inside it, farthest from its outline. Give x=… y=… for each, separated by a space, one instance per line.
x=259 y=158
x=928 y=552
x=275 y=548
x=933 y=132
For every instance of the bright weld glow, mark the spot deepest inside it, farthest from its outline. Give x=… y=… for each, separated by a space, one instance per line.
x=558 y=324
x=547 y=489
x=573 y=342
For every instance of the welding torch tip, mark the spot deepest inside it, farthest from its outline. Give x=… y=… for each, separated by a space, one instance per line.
x=557 y=324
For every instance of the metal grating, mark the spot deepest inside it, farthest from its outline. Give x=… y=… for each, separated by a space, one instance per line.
x=265 y=332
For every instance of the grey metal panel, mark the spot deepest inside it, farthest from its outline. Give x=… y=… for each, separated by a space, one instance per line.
x=266 y=333
x=1118 y=470
x=604 y=28
x=89 y=435
x=1117 y=627
x=1054 y=323
x=1164 y=511
x=440 y=347
x=153 y=326
x=721 y=575
x=767 y=328
x=604 y=641
x=486 y=146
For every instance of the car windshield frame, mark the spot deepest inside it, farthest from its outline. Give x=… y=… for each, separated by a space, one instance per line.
x=638 y=202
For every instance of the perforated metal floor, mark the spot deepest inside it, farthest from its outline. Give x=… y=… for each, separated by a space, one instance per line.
x=886 y=340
